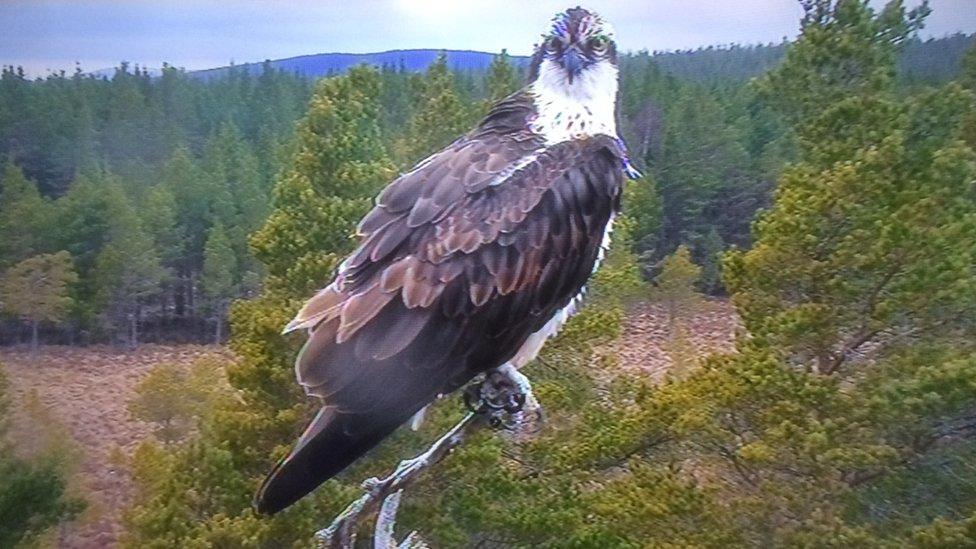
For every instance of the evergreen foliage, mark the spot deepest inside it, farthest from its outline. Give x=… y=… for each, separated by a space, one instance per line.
x=33 y=496
x=25 y=217
x=127 y=269
x=502 y=79
x=844 y=417
x=190 y=150
x=866 y=240
x=339 y=161
x=218 y=284
x=674 y=287
x=36 y=290
x=175 y=398
x=439 y=116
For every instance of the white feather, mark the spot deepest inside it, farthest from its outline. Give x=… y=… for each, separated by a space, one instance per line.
x=508 y=172
x=418 y=419
x=575 y=110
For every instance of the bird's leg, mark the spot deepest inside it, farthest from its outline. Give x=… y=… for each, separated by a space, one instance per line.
x=504 y=397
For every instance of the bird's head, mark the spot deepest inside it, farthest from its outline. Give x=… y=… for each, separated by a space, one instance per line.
x=578 y=49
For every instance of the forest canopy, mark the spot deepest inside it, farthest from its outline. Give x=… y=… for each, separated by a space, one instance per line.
x=830 y=198
x=160 y=173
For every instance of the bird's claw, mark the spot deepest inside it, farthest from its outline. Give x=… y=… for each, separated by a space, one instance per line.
x=502 y=397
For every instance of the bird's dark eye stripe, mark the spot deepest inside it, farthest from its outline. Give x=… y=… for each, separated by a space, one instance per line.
x=553 y=43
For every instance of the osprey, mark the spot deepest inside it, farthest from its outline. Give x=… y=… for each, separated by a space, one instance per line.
x=467 y=263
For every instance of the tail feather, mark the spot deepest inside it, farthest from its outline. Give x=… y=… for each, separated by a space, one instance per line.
x=332 y=441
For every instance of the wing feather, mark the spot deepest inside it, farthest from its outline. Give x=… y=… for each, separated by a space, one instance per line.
x=453 y=273
x=359 y=309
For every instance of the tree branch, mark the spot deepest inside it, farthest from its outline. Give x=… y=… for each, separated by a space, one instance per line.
x=500 y=399
x=342 y=532
x=864 y=333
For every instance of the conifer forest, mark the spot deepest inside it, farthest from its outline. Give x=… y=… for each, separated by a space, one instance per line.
x=816 y=196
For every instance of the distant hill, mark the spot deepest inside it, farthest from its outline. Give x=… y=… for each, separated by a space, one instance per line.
x=930 y=61
x=324 y=64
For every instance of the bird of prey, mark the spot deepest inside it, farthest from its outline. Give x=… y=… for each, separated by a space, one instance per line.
x=468 y=262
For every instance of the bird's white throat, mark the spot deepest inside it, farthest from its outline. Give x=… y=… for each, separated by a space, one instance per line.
x=573 y=111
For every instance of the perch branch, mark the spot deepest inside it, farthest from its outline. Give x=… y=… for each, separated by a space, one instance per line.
x=386 y=494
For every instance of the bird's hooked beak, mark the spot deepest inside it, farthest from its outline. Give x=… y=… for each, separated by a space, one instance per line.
x=572 y=62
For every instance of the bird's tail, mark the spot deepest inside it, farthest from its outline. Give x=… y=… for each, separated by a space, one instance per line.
x=329 y=444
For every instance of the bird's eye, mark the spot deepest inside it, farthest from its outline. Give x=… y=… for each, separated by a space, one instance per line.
x=599 y=43
x=553 y=44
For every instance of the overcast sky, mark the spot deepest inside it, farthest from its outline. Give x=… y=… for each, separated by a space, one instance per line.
x=47 y=35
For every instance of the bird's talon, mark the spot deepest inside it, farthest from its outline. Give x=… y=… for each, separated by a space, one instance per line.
x=503 y=397
x=472 y=399
x=516 y=403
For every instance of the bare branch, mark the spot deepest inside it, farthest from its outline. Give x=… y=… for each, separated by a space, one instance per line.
x=501 y=399
x=385 y=521
x=342 y=532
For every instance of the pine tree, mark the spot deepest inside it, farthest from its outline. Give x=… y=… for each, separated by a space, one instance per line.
x=158 y=213
x=643 y=205
x=967 y=75
x=501 y=80
x=225 y=200
x=174 y=398
x=193 y=191
x=865 y=237
x=701 y=156
x=846 y=51
x=36 y=290
x=338 y=162
x=439 y=116
x=674 y=287
x=856 y=297
x=127 y=271
x=236 y=171
x=707 y=253
x=967 y=78
x=161 y=399
x=24 y=217
x=841 y=70
x=86 y=215
x=217 y=281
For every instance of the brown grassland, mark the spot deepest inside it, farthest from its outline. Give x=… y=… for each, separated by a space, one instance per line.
x=81 y=394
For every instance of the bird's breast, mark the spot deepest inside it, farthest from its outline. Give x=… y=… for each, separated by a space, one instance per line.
x=533 y=345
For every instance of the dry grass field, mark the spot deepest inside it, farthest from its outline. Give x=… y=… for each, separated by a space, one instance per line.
x=84 y=392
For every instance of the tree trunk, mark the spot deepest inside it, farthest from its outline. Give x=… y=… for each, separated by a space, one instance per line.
x=218 y=332
x=179 y=296
x=34 y=340
x=133 y=331
x=191 y=301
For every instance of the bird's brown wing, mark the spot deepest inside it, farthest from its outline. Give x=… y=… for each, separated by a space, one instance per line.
x=476 y=251
x=460 y=262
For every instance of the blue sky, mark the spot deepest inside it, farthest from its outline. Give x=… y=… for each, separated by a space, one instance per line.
x=47 y=35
